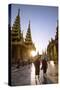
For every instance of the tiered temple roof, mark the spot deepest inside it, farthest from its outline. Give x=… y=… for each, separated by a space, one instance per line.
x=17 y=35
x=28 y=39
x=16 y=29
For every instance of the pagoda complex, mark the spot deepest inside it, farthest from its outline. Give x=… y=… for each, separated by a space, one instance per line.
x=52 y=49
x=20 y=48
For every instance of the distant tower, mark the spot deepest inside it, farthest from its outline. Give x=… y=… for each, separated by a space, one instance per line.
x=16 y=29
x=28 y=39
x=28 y=42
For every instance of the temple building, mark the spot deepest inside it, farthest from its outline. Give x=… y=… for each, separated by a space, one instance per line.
x=21 y=48
x=52 y=49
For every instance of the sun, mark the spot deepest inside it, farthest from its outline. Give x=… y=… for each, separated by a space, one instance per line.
x=33 y=53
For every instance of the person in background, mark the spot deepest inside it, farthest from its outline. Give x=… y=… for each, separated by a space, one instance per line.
x=44 y=66
x=37 y=67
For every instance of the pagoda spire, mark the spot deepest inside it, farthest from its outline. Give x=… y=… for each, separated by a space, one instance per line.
x=16 y=29
x=56 y=36
x=18 y=12
x=57 y=25
x=28 y=39
x=29 y=24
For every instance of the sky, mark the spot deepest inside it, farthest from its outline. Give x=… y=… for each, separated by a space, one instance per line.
x=43 y=22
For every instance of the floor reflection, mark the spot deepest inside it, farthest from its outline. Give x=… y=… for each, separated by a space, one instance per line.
x=32 y=74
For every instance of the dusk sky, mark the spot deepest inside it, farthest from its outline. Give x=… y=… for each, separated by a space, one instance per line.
x=43 y=21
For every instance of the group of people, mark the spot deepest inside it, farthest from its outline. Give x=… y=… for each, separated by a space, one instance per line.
x=43 y=67
x=37 y=64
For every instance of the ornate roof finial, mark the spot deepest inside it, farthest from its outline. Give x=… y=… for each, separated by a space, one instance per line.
x=18 y=12
x=29 y=23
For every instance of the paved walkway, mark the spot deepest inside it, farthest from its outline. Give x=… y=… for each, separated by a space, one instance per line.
x=26 y=75
x=21 y=76
x=52 y=72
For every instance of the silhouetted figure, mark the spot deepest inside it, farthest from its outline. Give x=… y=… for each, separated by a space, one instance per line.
x=37 y=67
x=44 y=66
